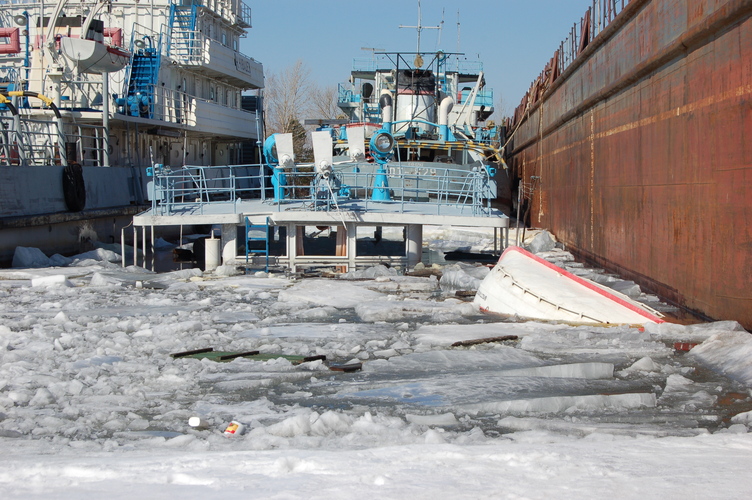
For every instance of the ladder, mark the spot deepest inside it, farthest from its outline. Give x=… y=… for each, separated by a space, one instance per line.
x=249 y=240
x=181 y=41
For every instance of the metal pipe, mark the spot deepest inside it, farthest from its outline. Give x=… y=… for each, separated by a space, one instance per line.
x=106 y=116
x=135 y=246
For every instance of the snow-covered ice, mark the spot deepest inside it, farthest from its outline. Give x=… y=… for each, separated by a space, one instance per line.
x=92 y=405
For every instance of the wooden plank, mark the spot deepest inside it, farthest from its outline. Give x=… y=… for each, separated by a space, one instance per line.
x=191 y=353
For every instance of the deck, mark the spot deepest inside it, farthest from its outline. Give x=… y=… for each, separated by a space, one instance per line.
x=221 y=196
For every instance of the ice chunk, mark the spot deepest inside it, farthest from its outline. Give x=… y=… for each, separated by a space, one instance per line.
x=394 y=311
x=574 y=370
x=462 y=277
x=370 y=273
x=628 y=288
x=163 y=244
x=58 y=260
x=440 y=420
x=728 y=352
x=226 y=270
x=328 y=293
x=99 y=279
x=560 y=404
x=645 y=364
x=25 y=257
x=743 y=418
x=99 y=255
x=54 y=280
x=542 y=243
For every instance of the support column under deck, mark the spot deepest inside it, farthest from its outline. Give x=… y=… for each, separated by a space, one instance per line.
x=229 y=242
x=414 y=243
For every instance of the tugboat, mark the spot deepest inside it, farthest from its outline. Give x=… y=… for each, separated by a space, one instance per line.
x=436 y=105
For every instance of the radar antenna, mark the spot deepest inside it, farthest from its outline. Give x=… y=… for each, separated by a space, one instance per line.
x=420 y=27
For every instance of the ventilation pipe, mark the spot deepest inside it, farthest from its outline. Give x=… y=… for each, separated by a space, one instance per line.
x=444 y=108
x=385 y=101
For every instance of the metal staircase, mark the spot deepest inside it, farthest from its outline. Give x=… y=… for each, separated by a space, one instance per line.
x=142 y=79
x=182 y=39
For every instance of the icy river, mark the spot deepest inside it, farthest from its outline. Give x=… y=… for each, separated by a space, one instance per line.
x=93 y=403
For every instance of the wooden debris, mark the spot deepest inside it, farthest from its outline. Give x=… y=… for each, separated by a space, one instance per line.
x=190 y=353
x=426 y=272
x=465 y=343
x=238 y=355
x=314 y=358
x=348 y=368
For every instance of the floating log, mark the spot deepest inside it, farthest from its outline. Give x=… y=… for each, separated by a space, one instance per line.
x=464 y=343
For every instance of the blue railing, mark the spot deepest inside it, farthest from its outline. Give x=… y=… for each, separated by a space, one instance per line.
x=346 y=95
x=483 y=98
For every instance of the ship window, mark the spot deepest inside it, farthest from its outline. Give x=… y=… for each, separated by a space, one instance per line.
x=234 y=43
x=229 y=98
x=212 y=94
x=224 y=38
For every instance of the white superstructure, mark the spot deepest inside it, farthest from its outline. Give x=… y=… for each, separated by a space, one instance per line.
x=119 y=83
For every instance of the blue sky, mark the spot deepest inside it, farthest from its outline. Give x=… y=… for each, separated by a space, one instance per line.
x=513 y=38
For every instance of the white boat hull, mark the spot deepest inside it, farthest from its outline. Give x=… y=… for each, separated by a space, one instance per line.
x=527 y=286
x=92 y=56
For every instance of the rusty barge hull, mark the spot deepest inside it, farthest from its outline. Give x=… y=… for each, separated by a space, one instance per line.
x=638 y=156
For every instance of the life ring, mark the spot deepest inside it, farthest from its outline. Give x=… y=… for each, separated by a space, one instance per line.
x=74 y=189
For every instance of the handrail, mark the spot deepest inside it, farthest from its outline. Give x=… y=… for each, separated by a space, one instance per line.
x=197 y=187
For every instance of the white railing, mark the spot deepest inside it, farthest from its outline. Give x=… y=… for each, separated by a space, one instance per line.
x=197 y=187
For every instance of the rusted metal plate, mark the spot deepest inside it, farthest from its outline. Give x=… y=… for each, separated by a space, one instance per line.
x=641 y=157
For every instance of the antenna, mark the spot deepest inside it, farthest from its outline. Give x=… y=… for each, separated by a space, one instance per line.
x=458 y=30
x=441 y=29
x=420 y=27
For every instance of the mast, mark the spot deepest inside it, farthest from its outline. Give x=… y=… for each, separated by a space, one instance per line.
x=420 y=27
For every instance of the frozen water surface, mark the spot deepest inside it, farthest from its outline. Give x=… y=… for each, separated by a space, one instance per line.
x=92 y=403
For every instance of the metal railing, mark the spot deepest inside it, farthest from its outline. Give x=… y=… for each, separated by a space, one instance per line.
x=191 y=48
x=437 y=190
x=30 y=142
x=596 y=19
x=482 y=98
x=243 y=13
x=448 y=64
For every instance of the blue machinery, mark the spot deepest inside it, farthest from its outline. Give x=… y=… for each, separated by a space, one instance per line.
x=382 y=149
x=278 y=158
